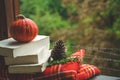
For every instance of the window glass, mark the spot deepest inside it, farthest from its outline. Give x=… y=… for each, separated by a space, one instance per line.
x=90 y=24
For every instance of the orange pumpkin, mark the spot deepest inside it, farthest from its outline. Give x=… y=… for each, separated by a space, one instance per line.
x=23 y=29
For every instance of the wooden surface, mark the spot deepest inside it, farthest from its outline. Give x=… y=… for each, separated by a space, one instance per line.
x=8 y=10
x=104 y=77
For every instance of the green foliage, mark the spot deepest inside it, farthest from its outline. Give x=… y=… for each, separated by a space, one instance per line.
x=50 y=22
x=57 y=6
x=46 y=13
x=70 y=47
x=116 y=27
x=114 y=7
x=62 y=61
x=113 y=12
x=89 y=19
x=71 y=8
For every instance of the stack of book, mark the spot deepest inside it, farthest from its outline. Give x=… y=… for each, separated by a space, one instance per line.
x=28 y=57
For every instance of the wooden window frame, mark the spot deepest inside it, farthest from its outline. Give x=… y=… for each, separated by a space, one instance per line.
x=8 y=10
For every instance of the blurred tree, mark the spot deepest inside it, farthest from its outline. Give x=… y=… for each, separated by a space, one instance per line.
x=113 y=13
x=48 y=14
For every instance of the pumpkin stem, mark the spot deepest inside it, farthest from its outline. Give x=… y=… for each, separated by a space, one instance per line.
x=20 y=16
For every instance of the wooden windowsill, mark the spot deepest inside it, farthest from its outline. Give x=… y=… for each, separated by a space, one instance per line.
x=104 y=77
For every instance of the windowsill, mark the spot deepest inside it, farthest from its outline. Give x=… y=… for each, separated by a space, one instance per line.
x=104 y=77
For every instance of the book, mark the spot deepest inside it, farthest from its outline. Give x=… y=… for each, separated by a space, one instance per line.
x=11 y=48
x=30 y=59
x=29 y=68
x=39 y=58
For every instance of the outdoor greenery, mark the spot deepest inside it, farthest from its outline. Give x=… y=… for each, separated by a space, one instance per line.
x=81 y=24
x=48 y=14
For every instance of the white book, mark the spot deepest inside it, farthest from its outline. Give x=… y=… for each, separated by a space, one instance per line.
x=30 y=59
x=29 y=68
x=10 y=47
x=39 y=58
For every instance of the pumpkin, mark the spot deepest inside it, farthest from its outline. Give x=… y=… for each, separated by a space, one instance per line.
x=23 y=29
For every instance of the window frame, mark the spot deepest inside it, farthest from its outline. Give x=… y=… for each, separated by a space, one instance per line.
x=8 y=10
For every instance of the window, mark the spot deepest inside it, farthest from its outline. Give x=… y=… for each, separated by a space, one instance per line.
x=8 y=10
x=82 y=24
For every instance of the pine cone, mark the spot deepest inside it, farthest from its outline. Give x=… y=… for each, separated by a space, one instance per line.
x=58 y=51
